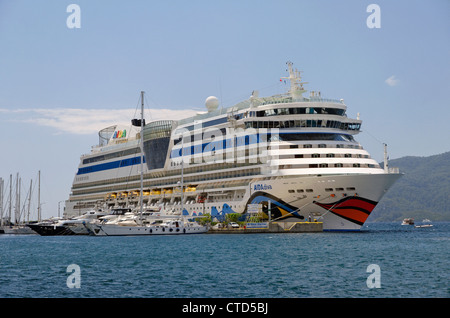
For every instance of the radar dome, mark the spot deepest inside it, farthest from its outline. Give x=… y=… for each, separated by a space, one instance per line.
x=212 y=103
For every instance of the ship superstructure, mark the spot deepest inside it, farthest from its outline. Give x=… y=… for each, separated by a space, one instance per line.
x=293 y=156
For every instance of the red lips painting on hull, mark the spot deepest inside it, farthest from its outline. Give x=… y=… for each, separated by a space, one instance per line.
x=354 y=209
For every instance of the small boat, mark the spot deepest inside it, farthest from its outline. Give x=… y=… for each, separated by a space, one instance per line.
x=426 y=223
x=408 y=221
x=423 y=225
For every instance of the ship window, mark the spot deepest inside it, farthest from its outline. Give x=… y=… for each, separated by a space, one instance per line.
x=356 y=165
x=338 y=165
x=307 y=146
x=315 y=155
x=309 y=190
x=351 y=189
x=291 y=191
x=322 y=146
x=339 y=189
x=328 y=189
x=323 y=165
x=298 y=156
x=330 y=155
x=300 y=191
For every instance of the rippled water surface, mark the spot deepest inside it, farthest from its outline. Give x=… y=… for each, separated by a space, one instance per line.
x=413 y=263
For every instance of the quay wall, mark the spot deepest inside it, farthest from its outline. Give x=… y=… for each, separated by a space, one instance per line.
x=275 y=227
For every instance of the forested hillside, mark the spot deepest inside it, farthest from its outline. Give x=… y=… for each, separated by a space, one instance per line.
x=423 y=191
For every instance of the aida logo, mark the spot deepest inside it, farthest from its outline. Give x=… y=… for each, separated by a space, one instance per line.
x=120 y=134
x=258 y=187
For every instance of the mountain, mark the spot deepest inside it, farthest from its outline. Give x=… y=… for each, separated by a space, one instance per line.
x=422 y=192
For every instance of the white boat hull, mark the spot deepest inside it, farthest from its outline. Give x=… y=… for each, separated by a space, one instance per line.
x=120 y=230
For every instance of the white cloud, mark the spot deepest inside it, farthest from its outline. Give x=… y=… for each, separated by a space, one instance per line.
x=392 y=81
x=87 y=121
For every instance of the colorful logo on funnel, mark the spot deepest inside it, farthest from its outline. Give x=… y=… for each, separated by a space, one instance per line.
x=120 y=134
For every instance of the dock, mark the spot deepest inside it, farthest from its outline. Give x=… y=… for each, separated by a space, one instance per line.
x=274 y=227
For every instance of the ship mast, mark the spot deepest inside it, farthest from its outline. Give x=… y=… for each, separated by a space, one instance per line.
x=295 y=79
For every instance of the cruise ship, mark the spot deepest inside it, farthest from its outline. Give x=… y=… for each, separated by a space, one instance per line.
x=287 y=157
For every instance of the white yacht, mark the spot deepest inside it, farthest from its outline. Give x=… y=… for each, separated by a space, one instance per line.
x=157 y=227
x=71 y=226
x=295 y=157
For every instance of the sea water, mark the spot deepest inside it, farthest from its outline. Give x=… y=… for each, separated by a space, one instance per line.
x=382 y=260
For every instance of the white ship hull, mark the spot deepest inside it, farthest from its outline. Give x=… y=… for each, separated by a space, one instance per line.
x=346 y=209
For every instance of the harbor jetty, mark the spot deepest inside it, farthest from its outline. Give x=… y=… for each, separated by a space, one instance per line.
x=272 y=227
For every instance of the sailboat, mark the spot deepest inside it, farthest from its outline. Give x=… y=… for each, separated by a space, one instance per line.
x=17 y=228
x=150 y=225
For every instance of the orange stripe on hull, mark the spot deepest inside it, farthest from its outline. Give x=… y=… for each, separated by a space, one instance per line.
x=352 y=214
x=360 y=204
x=354 y=209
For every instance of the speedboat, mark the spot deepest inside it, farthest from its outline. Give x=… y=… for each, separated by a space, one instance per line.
x=408 y=221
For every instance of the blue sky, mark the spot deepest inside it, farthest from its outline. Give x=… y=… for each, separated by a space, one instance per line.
x=59 y=86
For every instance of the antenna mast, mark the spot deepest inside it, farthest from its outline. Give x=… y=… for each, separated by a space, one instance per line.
x=295 y=79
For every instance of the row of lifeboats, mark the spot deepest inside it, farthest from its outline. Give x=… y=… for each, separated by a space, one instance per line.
x=147 y=192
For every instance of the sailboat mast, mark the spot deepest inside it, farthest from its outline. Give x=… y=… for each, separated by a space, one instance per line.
x=29 y=201
x=39 y=196
x=182 y=173
x=10 y=198
x=142 y=153
x=18 y=201
x=1 y=202
x=17 y=207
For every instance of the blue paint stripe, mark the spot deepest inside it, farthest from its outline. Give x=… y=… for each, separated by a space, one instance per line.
x=228 y=143
x=216 y=145
x=110 y=165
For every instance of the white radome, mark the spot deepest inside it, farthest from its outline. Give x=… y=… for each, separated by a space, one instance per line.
x=212 y=103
